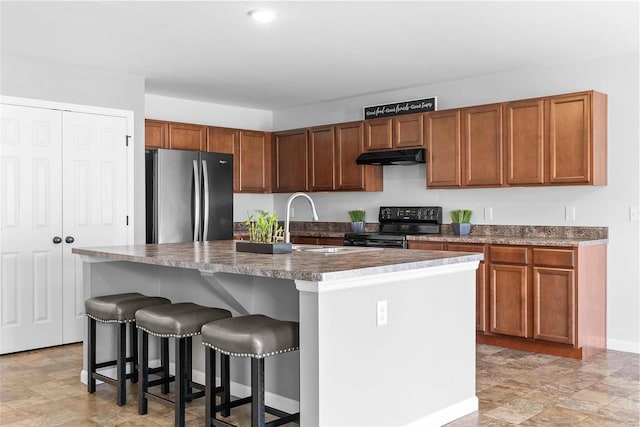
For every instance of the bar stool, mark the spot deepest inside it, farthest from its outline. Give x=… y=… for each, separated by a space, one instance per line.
x=118 y=308
x=181 y=321
x=255 y=336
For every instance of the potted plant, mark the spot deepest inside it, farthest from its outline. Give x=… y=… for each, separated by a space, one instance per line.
x=265 y=235
x=357 y=220
x=461 y=222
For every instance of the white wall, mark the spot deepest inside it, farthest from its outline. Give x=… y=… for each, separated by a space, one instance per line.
x=29 y=78
x=182 y=110
x=595 y=206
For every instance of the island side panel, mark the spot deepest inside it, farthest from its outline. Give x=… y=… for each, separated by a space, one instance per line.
x=418 y=368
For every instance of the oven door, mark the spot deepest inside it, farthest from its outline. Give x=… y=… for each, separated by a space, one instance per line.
x=376 y=241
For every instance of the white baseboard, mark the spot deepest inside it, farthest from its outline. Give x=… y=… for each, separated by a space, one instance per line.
x=448 y=414
x=271 y=399
x=626 y=346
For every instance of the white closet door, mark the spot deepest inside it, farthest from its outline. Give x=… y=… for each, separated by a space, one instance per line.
x=94 y=200
x=30 y=218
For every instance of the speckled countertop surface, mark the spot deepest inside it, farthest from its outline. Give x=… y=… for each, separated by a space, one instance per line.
x=221 y=256
x=530 y=235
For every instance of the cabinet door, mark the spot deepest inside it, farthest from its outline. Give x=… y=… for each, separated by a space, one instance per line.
x=378 y=134
x=482 y=145
x=442 y=134
x=155 y=134
x=408 y=131
x=183 y=136
x=508 y=302
x=349 y=175
x=569 y=139
x=554 y=302
x=291 y=159
x=321 y=159
x=253 y=157
x=524 y=139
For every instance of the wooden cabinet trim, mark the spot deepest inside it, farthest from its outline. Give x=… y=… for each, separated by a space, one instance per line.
x=508 y=254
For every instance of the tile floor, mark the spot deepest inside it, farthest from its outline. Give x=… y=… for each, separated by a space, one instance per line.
x=42 y=388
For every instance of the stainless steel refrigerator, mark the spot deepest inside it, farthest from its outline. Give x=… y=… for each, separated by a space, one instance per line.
x=189 y=196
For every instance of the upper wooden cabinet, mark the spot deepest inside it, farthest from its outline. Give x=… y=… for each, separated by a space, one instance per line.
x=332 y=160
x=183 y=136
x=482 y=146
x=555 y=140
x=251 y=157
x=577 y=139
x=398 y=132
x=524 y=140
x=155 y=134
x=349 y=144
x=322 y=169
x=290 y=161
x=558 y=140
x=443 y=143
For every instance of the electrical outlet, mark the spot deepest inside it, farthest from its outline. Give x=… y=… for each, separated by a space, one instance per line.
x=634 y=213
x=570 y=213
x=381 y=310
x=488 y=212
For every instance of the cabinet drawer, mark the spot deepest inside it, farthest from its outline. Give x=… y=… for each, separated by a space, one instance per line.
x=458 y=247
x=429 y=246
x=508 y=254
x=554 y=257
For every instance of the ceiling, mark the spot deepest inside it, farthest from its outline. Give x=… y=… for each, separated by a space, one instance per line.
x=314 y=51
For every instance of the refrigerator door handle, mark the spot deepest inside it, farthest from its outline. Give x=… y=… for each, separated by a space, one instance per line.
x=196 y=213
x=205 y=179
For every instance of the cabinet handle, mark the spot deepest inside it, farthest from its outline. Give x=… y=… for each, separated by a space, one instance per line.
x=57 y=240
x=69 y=239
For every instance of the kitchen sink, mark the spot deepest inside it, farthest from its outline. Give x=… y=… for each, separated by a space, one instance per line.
x=332 y=249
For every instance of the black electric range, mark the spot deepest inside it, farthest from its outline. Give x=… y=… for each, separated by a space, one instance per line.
x=395 y=224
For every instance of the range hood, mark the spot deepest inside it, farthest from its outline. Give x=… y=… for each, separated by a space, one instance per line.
x=392 y=157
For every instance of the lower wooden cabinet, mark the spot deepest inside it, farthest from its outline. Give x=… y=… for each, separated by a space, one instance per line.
x=543 y=299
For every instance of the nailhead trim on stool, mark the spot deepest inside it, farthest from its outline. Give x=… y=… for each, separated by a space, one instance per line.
x=117 y=308
x=180 y=321
x=255 y=336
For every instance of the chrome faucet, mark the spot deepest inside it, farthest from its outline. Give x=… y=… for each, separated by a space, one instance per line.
x=287 y=234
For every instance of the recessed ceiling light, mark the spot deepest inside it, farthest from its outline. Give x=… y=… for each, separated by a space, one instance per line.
x=262 y=15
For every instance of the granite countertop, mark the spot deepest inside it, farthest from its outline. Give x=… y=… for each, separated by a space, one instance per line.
x=221 y=256
x=529 y=235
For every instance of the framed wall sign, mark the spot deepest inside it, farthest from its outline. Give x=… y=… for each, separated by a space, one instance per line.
x=399 y=108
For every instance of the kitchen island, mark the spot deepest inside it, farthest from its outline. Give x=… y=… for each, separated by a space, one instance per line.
x=387 y=337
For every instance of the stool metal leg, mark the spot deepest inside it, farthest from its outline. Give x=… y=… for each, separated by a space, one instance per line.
x=121 y=364
x=209 y=384
x=181 y=386
x=226 y=383
x=257 y=392
x=143 y=351
x=164 y=360
x=91 y=355
x=188 y=367
x=133 y=337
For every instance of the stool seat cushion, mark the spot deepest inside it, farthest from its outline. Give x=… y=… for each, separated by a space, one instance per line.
x=177 y=320
x=119 y=307
x=255 y=336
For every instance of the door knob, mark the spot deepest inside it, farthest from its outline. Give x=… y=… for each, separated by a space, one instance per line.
x=57 y=240
x=69 y=239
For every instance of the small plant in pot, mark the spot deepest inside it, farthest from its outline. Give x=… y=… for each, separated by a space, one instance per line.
x=265 y=235
x=461 y=222
x=357 y=220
